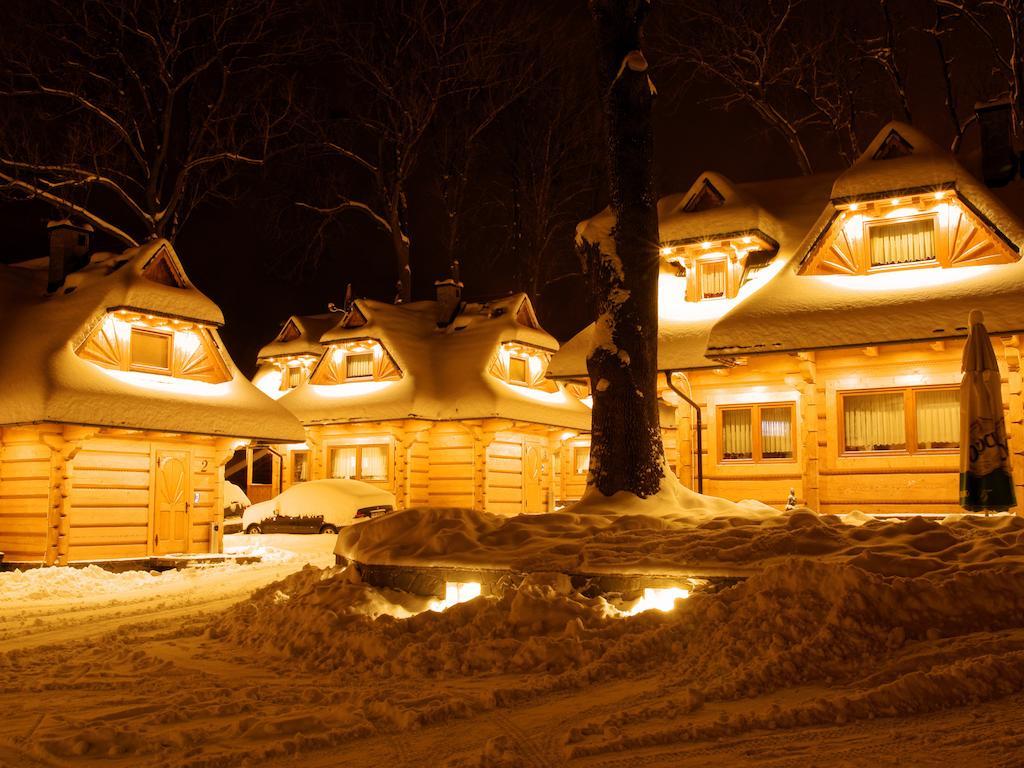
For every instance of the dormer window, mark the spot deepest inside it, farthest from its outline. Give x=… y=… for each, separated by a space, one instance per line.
x=902 y=242
x=359 y=366
x=518 y=370
x=713 y=276
x=150 y=350
x=293 y=376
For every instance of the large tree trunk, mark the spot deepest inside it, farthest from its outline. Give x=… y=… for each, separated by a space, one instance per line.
x=626 y=452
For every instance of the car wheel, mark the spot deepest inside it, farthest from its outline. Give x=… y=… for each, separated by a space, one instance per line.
x=328 y=529
x=253 y=529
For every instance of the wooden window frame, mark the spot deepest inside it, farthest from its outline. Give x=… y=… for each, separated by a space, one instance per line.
x=292 y=465
x=909 y=422
x=359 y=460
x=525 y=381
x=166 y=336
x=755 y=432
x=348 y=358
x=576 y=450
x=870 y=268
x=288 y=370
x=701 y=265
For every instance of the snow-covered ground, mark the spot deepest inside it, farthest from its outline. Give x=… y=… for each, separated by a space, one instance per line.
x=879 y=644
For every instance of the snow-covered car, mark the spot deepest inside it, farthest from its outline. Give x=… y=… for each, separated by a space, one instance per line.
x=235 y=503
x=318 y=506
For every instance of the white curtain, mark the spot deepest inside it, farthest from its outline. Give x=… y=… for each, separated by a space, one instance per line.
x=905 y=242
x=938 y=418
x=343 y=462
x=777 y=432
x=874 y=422
x=712 y=279
x=359 y=365
x=374 y=463
x=737 y=435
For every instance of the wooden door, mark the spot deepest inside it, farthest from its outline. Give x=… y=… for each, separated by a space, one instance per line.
x=534 y=460
x=172 y=482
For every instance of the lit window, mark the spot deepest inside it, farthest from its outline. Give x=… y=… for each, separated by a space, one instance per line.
x=360 y=462
x=902 y=242
x=518 y=370
x=300 y=466
x=150 y=350
x=903 y=420
x=757 y=433
x=581 y=459
x=359 y=366
x=294 y=376
x=712 y=279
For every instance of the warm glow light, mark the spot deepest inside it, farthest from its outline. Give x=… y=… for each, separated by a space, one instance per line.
x=918 y=280
x=162 y=383
x=558 y=397
x=705 y=245
x=566 y=436
x=350 y=388
x=748 y=239
x=939 y=195
x=588 y=401
x=269 y=383
x=186 y=342
x=854 y=206
x=659 y=599
x=894 y=201
x=456 y=592
x=667 y=250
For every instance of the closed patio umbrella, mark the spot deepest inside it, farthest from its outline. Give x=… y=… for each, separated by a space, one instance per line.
x=986 y=482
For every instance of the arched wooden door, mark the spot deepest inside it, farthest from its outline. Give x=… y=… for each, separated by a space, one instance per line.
x=170 y=516
x=534 y=459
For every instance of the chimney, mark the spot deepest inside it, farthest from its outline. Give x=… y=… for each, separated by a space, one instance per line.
x=449 y=297
x=69 y=243
x=998 y=159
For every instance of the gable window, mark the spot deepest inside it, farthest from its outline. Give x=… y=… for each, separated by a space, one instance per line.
x=518 y=370
x=360 y=462
x=902 y=242
x=359 y=366
x=712 y=276
x=150 y=350
x=293 y=376
x=901 y=420
x=756 y=433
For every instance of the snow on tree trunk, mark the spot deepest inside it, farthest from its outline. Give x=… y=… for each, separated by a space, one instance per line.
x=626 y=452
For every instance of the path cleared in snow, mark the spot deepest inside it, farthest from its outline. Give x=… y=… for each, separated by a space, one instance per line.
x=51 y=605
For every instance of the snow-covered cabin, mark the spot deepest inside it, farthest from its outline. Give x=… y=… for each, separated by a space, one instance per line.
x=441 y=402
x=118 y=406
x=818 y=322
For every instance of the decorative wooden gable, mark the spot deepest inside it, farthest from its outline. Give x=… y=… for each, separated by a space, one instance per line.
x=357 y=360
x=704 y=199
x=522 y=365
x=927 y=229
x=161 y=269
x=893 y=146
x=130 y=342
x=525 y=315
x=290 y=332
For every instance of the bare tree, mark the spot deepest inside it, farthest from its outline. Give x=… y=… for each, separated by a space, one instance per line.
x=129 y=113
x=408 y=61
x=626 y=450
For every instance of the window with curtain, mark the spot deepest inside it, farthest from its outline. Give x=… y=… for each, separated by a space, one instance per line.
x=908 y=420
x=359 y=366
x=581 y=459
x=737 y=433
x=902 y=242
x=294 y=377
x=300 y=466
x=712 y=279
x=937 y=418
x=757 y=432
x=360 y=462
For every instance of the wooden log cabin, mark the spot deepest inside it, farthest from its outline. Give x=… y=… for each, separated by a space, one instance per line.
x=818 y=325
x=443 y=403
x=118 y=407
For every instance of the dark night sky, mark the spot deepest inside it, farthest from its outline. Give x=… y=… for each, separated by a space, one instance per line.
x=250 y=271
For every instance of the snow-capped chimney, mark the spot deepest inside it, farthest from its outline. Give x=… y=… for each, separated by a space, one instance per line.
x=449 y=297
x=998 y=159
x=69 y=243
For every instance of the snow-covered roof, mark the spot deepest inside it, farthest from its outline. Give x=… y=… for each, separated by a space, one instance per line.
x=300 y=335
x=782 y=210
x=42 y=379
x=803 y=311
x=444 y=371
